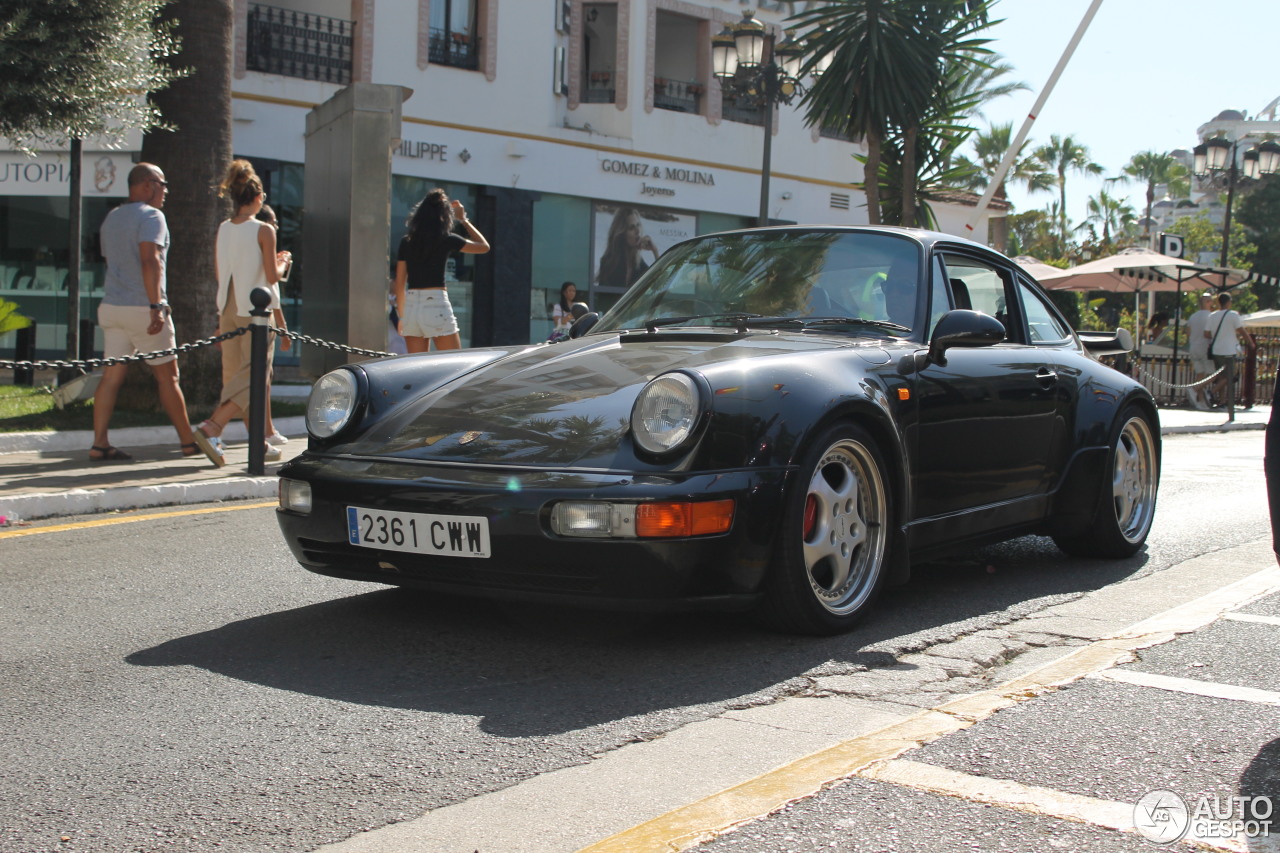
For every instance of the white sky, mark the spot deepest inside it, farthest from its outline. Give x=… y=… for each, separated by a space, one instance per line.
x=1146 y=74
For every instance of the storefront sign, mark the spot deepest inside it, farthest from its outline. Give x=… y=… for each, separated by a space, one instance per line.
x=424 y=150
x=657 y=172
x=50 y=174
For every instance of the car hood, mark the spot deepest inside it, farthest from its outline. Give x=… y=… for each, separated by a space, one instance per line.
x=569 y=404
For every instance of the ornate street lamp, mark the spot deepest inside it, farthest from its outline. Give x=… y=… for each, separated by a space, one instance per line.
x=1217 y=158
x=746 y=61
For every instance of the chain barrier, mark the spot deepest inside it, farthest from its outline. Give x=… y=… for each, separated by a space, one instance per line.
x=1155 y=380
x=91 y=363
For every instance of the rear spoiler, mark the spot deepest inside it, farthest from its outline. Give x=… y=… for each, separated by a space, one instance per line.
x=1107 y=343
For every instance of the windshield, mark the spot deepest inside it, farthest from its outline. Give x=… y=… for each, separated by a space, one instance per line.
x=787 y=277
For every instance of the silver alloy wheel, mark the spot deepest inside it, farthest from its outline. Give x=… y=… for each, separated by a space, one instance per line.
x=1133 y=482
x=844 y=527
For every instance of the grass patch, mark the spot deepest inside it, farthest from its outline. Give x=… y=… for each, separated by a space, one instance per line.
x=24 y=409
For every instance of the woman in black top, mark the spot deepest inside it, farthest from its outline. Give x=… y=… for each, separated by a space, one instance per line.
x=421 y=299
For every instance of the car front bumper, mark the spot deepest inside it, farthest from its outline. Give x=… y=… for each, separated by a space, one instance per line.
x=528 y=561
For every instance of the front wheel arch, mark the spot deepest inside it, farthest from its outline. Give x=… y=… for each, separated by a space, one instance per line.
x=831 y=557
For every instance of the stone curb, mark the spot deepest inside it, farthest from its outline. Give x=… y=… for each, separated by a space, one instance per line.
x=91 y=501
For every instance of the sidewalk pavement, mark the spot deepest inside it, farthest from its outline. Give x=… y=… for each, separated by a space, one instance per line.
x=49 y=475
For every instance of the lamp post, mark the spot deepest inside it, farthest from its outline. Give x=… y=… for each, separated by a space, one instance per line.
x=746 y=61
x=1217 y=157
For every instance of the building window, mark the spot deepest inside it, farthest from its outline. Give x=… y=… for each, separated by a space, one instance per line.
x=299 y=44
x=599 y=53
x=676 y=85
x=453 y=37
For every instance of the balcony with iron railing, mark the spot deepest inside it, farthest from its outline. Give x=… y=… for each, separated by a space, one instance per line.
x=747 y=109
x=299 y=44
x=599 y=88
x=459 y=50
x=682 y=96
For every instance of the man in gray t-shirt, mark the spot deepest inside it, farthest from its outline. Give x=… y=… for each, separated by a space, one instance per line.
x=134 y=313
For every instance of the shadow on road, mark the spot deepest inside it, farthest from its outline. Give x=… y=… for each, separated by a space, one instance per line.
x=528 y=671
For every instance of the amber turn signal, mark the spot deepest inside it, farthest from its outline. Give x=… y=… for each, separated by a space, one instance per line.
x=685 y=518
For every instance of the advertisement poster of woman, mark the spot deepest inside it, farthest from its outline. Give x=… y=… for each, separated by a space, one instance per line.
x=628 y=239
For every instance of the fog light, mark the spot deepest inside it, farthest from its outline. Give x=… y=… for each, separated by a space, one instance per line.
x=295 y=495
x=593 y=519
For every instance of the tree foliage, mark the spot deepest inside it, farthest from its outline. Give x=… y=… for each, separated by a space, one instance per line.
x=1259 y=212
x=888 y=63
x=76 y=69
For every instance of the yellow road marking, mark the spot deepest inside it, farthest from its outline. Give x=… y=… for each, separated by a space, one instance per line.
x=104 y=522
x=688 y=826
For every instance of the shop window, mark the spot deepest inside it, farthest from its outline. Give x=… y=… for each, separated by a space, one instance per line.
x=453 y=34
x=561 y=252
x=599 y=53
x=676 y=85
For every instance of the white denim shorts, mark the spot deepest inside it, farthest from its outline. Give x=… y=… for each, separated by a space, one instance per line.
x=427 y=314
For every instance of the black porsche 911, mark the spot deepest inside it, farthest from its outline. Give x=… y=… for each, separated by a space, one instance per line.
x=780 y=419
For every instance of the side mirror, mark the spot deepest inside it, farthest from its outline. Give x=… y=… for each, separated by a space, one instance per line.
x=583 y=324
x=963 y=328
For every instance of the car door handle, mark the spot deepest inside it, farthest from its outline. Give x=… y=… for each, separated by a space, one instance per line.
x=1046 y=377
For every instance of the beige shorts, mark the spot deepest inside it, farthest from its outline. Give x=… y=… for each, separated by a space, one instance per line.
x=124 y=333
x=427 y=314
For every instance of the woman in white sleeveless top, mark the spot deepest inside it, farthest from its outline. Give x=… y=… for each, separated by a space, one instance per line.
x=246 y=258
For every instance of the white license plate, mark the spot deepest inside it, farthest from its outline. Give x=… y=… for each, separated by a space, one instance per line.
x=419 y=532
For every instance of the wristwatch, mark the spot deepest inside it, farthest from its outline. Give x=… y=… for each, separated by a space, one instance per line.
x=159 y=306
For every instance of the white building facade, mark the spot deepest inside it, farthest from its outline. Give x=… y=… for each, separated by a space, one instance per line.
x=547 y=118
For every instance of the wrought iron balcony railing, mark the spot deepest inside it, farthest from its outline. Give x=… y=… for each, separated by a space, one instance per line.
x=299 y=44
x=460 y=50
x=684 y=96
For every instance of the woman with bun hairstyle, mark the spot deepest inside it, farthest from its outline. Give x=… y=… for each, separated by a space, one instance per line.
x=422 y=302
x=246 y=258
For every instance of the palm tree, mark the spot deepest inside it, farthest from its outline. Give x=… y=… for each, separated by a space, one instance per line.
x=1151 y=168
x=194 y=156
x=1113 y=215
x=989 y=150
x=887 y=59
x=1063 y=154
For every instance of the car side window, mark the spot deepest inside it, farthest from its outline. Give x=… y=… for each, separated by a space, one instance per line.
x=980 y=287
x=1043 y=325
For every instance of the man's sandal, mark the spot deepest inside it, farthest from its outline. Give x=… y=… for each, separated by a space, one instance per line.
x=190 y=449
x=109 y=454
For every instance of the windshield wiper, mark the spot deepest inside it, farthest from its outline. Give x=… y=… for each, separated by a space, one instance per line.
x=855 y=321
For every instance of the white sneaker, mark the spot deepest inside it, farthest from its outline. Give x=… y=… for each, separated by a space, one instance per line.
x=277 y=439
x=1200 y=404
x=271 y=454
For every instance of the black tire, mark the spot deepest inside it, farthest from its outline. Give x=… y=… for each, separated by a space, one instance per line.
x=1127 y=505
x=829 y=563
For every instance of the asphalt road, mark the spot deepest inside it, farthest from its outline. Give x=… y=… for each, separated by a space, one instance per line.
x=182 y=684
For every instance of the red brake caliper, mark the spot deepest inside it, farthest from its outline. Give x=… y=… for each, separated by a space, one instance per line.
x=810 y=517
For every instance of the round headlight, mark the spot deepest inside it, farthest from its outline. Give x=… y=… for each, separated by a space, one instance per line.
x=331 y=404
x=665 y=413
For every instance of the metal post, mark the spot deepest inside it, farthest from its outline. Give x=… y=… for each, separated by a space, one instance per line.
x=24 y=349
x=1226 y=220
x=258 y=330
x=766 y=166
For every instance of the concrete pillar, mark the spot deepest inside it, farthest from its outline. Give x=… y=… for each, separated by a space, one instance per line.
x=346 y=224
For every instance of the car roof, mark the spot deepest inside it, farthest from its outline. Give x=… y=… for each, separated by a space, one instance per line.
x=924 y=236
